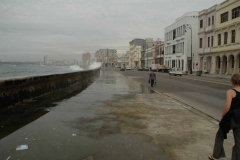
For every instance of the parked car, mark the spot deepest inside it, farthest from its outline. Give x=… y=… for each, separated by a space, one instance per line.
x=140 y=69
x=146 y=69
x=122 y=69
x=175 y=71
x=128 y=68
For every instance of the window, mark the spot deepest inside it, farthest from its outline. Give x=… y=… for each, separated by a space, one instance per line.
x=225 y=37
x=232 y=62
x=212 y=20
x=174 y=34
x=209 y=21
x=174 y=47
x=212 y=41
x=233 y=36
x=208 y=41
x=235 y=12
x=224 y=17
x=201 y=23
x=200 y=43
x=219 y=39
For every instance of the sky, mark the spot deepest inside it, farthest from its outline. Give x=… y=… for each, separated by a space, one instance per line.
x=64 y=29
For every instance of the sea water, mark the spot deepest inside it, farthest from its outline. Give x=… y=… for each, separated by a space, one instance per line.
x=9 y=71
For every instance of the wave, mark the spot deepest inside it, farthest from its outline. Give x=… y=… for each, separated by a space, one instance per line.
x=95 y=65
x=76 y=68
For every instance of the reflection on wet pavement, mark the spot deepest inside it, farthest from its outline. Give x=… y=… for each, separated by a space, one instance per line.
x=113 y=118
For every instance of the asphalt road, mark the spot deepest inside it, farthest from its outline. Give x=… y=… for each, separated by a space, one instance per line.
x=206 y=94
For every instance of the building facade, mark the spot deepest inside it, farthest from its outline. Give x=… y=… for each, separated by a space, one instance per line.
x=159 y=52
x=135 y=52
x=180 y=39
x=107 y=56
x=127 y=59
x=206 y=27
x=146 y=52
x=86 y=58
x=226 y=48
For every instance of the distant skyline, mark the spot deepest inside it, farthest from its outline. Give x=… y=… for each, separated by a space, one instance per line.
x=30 y=29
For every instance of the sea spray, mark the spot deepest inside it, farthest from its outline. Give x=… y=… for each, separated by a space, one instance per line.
x=95 y=65
x=76 y=68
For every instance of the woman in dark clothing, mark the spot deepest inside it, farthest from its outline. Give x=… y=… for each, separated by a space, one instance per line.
x=230 y=120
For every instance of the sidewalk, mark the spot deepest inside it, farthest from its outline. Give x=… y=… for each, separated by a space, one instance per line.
x=221 y=76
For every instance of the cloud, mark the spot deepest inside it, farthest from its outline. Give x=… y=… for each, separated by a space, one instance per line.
x=76 y=26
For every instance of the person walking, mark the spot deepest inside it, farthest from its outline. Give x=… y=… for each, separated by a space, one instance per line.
x=152 y=78
x=230 y=120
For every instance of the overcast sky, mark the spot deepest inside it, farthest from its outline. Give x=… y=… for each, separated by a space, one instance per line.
x=30 y=29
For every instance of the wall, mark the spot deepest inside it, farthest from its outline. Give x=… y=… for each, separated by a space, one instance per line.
x=15 y=91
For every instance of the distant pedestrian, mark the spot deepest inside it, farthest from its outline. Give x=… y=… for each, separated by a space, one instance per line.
x=150 y=68
x=230 y=120
x=152 y=78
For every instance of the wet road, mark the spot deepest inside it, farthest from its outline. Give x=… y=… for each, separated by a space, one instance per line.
x=114 y=117
x=206 y=94
x=77 y=128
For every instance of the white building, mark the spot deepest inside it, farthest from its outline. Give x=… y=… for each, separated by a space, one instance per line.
x=178 y=43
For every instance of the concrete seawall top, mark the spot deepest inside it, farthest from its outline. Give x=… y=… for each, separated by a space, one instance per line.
x=17 y=90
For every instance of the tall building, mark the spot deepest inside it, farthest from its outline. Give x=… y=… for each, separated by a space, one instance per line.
x=226 y=48
x=135 y=52
x=107 y=56
x=178 y=39
x=207 y=20
x=45 y=60
x=86 y=57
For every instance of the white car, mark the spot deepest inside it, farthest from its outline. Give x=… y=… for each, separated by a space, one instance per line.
x=175 y=71
x=128 y=68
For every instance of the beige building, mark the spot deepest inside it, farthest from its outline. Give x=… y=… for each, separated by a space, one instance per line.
x=226 y=48
x=135 y=52
x=127 y=59
x=147 y=52
x=207 y=20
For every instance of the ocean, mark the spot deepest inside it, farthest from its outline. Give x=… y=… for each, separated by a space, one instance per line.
x=10 y=71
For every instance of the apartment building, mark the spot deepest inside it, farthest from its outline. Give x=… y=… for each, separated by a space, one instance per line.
x=226 y=48
x=106 y=56
x=147 y=58
x=127 y=59
x=159 y=52
x=180 y=37
x=206 y=27
x=135 y=52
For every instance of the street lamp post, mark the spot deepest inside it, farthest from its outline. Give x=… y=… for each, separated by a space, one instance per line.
x=188 y=26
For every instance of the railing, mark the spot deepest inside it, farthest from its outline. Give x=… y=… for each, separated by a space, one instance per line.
x=210 y=28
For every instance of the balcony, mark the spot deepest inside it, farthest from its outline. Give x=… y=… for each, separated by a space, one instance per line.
x=201 y=30
x=209 y=28
x=207 y=50
x=200 y=51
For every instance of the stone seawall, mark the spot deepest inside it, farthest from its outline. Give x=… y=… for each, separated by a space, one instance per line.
x=15 y=91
